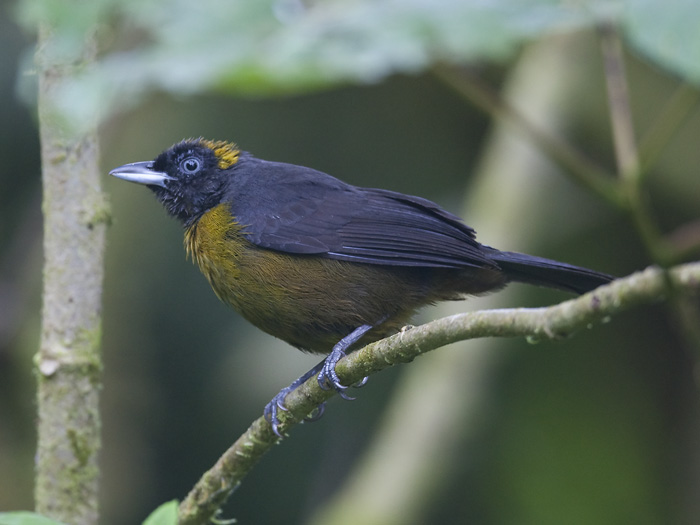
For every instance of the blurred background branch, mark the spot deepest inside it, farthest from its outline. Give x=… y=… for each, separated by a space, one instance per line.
x=570 y=159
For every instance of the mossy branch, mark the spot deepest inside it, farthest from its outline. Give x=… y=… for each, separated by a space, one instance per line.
x=554 y=322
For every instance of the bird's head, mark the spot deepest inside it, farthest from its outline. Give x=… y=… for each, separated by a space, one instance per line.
x=189 y=178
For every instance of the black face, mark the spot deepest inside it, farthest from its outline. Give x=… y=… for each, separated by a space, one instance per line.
x=186 y=178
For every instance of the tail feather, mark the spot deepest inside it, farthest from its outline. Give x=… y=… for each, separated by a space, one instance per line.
x=546 y=272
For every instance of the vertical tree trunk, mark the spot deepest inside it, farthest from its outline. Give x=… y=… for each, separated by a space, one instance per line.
x=69 y=364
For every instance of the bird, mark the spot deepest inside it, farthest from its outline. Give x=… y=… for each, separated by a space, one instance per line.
x=319 y=263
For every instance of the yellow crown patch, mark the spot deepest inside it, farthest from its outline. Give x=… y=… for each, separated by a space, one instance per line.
x=226 y=152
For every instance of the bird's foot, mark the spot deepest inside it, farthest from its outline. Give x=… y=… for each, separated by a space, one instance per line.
x=328 y=377
x=273 y=408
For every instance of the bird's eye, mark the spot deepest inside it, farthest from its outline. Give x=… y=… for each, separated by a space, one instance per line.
x=190 y=165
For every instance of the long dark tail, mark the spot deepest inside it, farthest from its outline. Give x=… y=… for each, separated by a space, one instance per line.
x=546 y=272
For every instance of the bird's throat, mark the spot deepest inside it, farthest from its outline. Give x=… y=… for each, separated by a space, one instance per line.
x=216 y=243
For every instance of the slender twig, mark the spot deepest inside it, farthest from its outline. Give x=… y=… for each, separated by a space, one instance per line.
x=575 y=163
x=619 y=103
x=626 y=155
x=555 y=322
x=686 y=240
x=674 y=112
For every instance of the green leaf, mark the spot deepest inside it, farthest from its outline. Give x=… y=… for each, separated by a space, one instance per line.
x=73 y=23
x=165 y=514
x=667 y=33
x=25 y=518
x=270 y=47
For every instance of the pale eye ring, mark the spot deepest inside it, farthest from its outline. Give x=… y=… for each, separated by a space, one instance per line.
x=190 y=165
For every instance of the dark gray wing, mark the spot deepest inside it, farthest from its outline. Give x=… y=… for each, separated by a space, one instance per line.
x=298 y=210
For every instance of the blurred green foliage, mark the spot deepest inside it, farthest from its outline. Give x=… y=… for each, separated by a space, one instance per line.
x=265 y=47
x=25 y=518
x=601 y=429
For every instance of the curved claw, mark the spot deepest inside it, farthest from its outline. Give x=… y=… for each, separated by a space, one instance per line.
x=271 y=410
x=328 y=378
x=271 y=416
x=362 y=382
x=316 y=414
x=345 y=396
x=277 y=403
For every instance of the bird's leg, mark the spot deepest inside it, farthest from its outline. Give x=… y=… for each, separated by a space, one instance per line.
x=277 y=402
x=328 y=378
